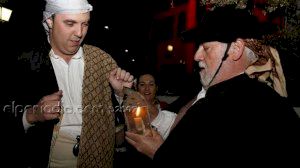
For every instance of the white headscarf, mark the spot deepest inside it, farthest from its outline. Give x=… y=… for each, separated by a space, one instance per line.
x=64 y=6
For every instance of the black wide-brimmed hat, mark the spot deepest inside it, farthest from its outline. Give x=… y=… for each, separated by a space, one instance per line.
x=225 y=24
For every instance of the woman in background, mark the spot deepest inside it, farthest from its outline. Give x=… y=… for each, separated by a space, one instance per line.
x=160 y=119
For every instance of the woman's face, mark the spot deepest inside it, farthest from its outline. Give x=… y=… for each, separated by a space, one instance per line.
x=147 y=87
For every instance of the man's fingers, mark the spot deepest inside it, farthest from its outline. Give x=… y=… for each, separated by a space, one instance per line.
x=125 y=75
x=155 y=132
x=130 y=141
x=130 y=79
x=118 y=74
x=55 y=108
x=148 y=133
x=59 y=93
x=51 y=116
x=121 y=74
x=55 y=96
x=49 y=107
x=113 y=72
x=133 y=136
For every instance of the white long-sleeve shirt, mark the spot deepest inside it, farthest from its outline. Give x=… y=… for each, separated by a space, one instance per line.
x=163 y=122
x=69 y=77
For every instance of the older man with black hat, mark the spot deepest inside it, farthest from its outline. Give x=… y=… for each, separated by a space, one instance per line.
x=238 y=121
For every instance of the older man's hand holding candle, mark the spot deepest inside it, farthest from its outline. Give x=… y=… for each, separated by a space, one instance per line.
x=147 y=143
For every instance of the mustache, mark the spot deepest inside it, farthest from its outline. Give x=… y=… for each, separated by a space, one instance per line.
x=201 y=65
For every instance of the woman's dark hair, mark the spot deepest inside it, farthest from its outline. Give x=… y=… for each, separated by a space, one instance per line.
x=150 y=72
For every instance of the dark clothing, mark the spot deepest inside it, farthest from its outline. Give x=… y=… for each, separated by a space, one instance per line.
x=240 y=122
x=36 y=79
x=12 y=132
x=30 y=82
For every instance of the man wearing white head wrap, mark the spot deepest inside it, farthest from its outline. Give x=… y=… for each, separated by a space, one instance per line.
x=76 y=92
x=65 y=6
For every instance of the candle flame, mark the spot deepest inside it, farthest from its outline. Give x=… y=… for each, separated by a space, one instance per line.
x=138 y=111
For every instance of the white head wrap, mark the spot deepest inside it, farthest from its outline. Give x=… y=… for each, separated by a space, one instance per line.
x=64 y=6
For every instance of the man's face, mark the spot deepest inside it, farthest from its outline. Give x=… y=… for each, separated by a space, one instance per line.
x=147 y=87
x=68 y=32
x=209 y=56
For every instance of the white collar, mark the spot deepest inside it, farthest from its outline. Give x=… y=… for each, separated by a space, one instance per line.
x=200 y=95
x=78 y=55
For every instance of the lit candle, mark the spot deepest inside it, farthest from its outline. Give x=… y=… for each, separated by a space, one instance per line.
x=138 y=121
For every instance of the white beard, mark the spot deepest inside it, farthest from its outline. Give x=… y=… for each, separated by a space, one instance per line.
x=207 y=77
